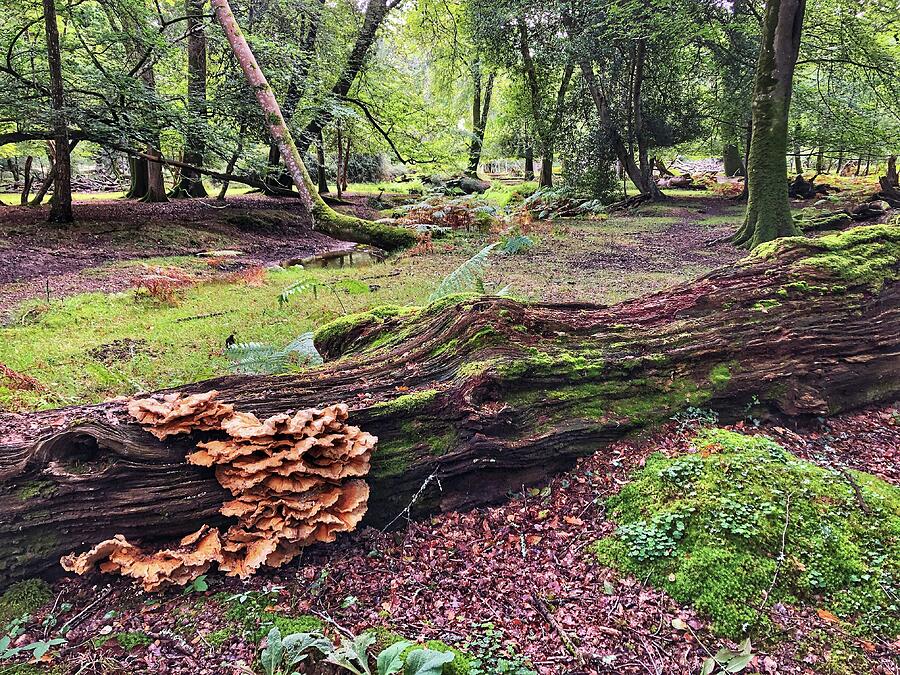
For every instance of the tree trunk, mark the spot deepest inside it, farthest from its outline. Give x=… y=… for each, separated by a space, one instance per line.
x=26 y=184
x=156 y=184
x=546 y=121
x=529 y=160
x=768 y=207
x=61 y=206
x=232 y=161
x=522 y=390
x=891 y=172
x=731 y=157
x=346 y=163
x=376 y=11
x=191 y=182
x=48 y=180
x=339 y=178
x=546 y=177
x=322 y=178
x=480 y=108
x=138 y=178
x=324 y=217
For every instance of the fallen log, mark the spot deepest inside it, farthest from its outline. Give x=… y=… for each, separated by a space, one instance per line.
x=472 y=397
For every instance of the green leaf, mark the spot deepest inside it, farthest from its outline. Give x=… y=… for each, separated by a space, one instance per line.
x=271 y=656
x=738 y=663
x=297 y=646
x=390 y=660
x=744 y=648
x=426 y=662
x=709 y=665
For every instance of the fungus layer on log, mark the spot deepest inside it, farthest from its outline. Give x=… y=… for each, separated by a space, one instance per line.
x=285 y=473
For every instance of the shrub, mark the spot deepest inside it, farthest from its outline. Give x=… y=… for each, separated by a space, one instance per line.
x=716 y=529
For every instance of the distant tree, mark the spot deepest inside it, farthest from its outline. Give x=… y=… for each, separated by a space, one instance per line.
x=61 y=206
x=768 y=207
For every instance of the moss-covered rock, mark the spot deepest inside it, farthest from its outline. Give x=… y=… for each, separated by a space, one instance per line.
x=709 y=527
x=24 y=597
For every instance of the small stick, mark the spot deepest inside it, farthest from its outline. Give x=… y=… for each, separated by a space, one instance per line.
x=544 y=611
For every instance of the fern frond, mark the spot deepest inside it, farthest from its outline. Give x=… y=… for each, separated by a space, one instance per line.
x=305 y=348
x=301 y=286
x=256 y=358
x=465 y=278
x=517 y=244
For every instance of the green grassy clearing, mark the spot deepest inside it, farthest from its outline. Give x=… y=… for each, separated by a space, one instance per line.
x=93 y=346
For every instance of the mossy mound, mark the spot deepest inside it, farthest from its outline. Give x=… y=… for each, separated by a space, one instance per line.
x=23 y=597
x=708 y=527
x=868 y=255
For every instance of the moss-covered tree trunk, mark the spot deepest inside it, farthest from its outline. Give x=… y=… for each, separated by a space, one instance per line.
x=768 y=207
x=472 y=397
x=325 y=218
x=191 y=181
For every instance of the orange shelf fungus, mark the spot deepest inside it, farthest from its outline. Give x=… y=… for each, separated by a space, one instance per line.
x=295 y=481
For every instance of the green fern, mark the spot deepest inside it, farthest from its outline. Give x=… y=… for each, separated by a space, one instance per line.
x=467 y=278
x=351 y=286
x=260 y=358
x=301 y=286
x=516 y=244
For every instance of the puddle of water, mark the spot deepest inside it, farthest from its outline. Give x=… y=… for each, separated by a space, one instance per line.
x=337 y=259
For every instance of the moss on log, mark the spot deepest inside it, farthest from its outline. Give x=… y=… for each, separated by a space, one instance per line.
x=474 y=396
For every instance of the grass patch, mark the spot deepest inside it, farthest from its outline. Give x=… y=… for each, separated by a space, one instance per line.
x=708 y=528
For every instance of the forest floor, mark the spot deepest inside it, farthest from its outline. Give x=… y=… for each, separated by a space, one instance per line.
x=471 y=580
x=122 y=304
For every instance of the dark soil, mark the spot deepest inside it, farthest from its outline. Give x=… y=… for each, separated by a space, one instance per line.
x=39 y=259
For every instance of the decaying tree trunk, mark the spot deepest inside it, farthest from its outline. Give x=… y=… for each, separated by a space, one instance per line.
x=326 y=219
x=474 y=396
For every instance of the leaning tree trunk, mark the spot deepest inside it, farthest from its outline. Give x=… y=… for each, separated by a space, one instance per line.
x=326 y=219
x=471 y=397
x=768 y=207
x=61 y=206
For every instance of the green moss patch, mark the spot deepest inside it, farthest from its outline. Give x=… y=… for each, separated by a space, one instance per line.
x=867 y=256
x=708 y=527
x=24 y=597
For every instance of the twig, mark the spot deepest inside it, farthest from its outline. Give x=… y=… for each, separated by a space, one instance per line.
x=544 y=611
x=406 y=511
x=787 y=516
x=204 y=316
x=52 y=610
x=75 y=618
x=856 y=490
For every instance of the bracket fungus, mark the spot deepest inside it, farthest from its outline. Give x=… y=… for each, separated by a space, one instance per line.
x=296 y=480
